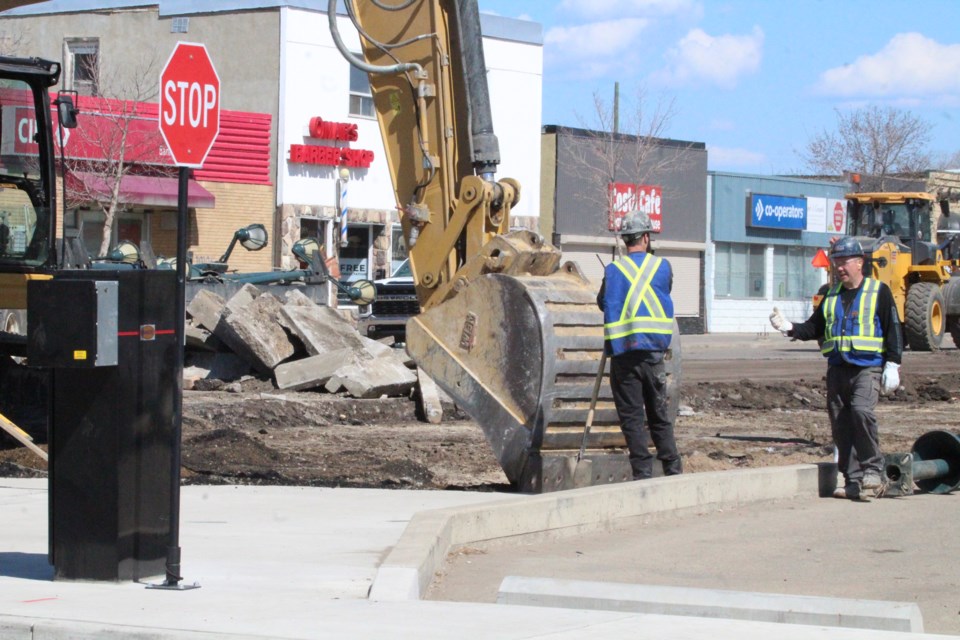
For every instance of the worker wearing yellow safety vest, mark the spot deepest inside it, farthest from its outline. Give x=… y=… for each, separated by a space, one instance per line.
x=638 y=326
x=860 y=328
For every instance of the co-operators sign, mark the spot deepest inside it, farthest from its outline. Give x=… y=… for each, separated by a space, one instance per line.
x=778 y=212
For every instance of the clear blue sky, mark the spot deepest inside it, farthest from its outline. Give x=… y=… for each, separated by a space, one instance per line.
x=753 y=79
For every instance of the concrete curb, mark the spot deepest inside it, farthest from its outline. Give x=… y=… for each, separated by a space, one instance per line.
x=407 y=570
x=852 y=613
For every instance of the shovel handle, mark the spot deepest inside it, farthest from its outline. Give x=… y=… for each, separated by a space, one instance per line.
x=593 y=402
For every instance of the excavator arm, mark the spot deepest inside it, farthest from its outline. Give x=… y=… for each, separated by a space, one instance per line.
x=513 y=335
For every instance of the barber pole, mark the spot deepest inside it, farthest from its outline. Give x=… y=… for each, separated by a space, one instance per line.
x=342 y=183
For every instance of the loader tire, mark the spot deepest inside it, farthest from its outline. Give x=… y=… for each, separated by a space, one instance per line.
x=925 y=321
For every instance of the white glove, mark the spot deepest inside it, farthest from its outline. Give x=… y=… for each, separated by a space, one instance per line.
x=890 y=380
x=780 y=323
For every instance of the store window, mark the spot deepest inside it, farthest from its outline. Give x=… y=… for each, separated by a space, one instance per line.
x=127 y=226
x=739 y=271
x=81 y=65
x=361 y=100
x=398 y=247
x=794 y=278
x=355 y=258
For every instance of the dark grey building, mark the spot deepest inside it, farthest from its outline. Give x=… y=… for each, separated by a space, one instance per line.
x=589 y=178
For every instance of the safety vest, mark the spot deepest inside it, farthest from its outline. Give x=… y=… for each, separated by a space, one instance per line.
x=637 y=310
x=856 y=337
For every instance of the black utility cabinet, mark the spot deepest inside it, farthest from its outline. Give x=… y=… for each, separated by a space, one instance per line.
x=109 y=339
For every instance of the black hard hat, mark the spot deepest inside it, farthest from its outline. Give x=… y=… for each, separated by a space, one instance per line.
x=846 y=247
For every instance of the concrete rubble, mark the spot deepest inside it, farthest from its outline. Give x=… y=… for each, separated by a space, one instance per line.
x=301 y=345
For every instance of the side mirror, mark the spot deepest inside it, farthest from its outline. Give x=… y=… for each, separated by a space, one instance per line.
x=66 y=110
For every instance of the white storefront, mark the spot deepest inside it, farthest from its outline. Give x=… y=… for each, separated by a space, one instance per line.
x=316 y=82
x=755 y=264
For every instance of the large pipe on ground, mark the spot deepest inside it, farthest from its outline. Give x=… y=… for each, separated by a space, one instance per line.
x=933 y=465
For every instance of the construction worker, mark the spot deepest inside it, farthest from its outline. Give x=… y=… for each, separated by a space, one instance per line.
x=858 y=322
x=638 y=326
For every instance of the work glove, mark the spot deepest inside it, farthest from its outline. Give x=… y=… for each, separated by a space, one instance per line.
x=780 y=323
x=890 y=380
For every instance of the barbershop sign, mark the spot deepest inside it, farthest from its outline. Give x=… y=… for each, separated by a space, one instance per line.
x=329 y=155
x=777 y=212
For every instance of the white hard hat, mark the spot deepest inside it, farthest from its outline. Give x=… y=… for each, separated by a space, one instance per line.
x=635 y=222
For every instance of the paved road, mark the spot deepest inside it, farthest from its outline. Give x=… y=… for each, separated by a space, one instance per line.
x=715 y=358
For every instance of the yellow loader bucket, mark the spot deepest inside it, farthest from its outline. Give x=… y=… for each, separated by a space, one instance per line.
x=520 y=354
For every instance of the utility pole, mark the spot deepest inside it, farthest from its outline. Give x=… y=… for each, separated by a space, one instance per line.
x=616 y=107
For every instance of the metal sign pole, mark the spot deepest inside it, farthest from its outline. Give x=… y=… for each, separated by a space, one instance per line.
x=173 y=577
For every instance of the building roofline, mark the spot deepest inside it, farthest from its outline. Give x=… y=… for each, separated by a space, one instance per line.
x=492 y=26
x=622 y=137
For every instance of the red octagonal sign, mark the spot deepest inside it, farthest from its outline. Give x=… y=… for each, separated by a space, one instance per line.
x=189 y=104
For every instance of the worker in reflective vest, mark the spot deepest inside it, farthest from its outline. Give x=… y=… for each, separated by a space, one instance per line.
x=638 y=326
x=860 y=328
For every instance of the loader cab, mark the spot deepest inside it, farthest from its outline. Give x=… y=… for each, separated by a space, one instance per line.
x=903 y=218
x=27 y=178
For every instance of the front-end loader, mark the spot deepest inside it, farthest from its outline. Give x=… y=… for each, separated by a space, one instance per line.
x=896 y=230
x=507 y=328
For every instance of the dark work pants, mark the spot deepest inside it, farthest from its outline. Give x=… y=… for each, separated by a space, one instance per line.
x=852 y=395
x=640 y=389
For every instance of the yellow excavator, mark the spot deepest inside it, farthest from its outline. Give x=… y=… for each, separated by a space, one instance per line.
x=507 y=328
x=896 y=230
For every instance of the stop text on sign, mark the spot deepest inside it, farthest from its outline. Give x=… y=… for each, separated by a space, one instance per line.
x=189 y=103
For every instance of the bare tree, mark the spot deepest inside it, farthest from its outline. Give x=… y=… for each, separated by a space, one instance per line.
x=628 y=150
x=875 y=141
x=118 y=138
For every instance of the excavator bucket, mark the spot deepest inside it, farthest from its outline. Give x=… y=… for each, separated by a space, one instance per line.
x=520 y=354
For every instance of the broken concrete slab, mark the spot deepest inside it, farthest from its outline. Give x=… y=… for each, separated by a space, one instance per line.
x=206 y=308
x=311 y=372
x=262 y=337
x=196 y=337
x=373 y=379
x=429 y=398
x=321 y=329
x=298 y=298
x=242 y=299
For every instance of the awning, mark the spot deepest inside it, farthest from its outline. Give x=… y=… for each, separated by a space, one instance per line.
x=148 y=191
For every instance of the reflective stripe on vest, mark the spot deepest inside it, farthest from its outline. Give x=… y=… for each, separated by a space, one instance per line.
x=865 y=338
x=630 y=322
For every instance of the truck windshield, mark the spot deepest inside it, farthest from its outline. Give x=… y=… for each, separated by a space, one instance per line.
x=403 y=271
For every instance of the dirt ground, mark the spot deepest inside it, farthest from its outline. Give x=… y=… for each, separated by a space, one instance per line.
x=745 y=410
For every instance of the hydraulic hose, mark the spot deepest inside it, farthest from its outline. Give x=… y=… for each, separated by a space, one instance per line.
x=486 y=149
x=358 y=62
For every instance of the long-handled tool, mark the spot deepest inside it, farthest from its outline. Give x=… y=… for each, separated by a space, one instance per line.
x=21 y=436
x=583 y=469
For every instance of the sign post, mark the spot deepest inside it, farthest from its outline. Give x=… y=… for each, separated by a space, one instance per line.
x=189 y=124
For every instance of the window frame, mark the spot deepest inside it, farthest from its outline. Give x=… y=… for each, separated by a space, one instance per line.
x=752 y=251
x=364 y=100
x=73 y=47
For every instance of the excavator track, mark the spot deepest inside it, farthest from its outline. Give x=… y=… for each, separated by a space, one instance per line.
x=520 y=354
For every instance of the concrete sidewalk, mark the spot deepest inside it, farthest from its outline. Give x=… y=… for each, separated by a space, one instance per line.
x=283 y=562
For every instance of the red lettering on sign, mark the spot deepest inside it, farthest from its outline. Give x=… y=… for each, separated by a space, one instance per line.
x=331 y=156
x=333 y=130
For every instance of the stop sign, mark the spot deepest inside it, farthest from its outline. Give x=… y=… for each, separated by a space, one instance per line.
x=189 y=104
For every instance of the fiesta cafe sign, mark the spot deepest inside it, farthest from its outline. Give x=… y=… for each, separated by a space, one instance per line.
x=624 y=198
x=328 y=155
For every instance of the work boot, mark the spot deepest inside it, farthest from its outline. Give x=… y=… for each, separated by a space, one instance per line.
x=872 y=479
x=851 y=491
